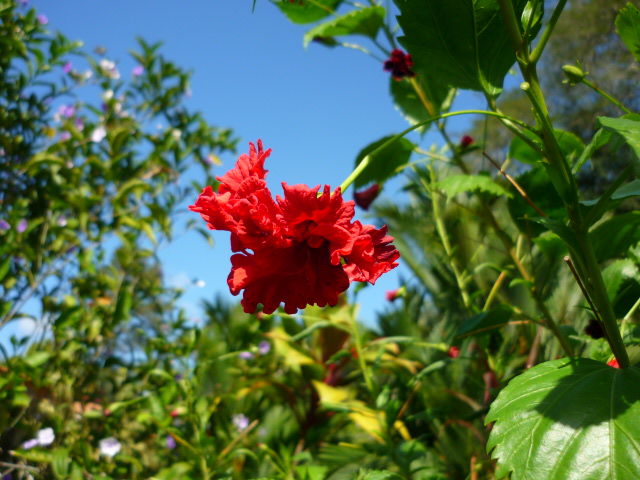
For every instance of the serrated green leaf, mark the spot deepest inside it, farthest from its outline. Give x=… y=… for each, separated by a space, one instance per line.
x=568 y=419
x=628 y=28
x=464 y=41
x=365 y=21
x=301 y=11
x=485 y=322
x=455 y=184
x=614 y=237
x=383 y=163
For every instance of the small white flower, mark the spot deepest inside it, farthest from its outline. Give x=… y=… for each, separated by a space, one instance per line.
x=240 y=421
x=199 y=283
x=107 y=95
x=98 y=134
x=176 y=134
x=88 y=74
x=45 y=437
x=109 y=447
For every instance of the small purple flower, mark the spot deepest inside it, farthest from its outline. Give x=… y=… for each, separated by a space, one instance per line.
x=66 y=68
x=22 y=226
x=177 y=377
x=64 y=136
x=23 y=3
x=4 y=225
x=62 y=221
x=240 y=421
x=78 y=123
x=245 y=355
x=29 y=444
x=264 y=347
x=170 y=442
x=137 y=70
x=42 y=19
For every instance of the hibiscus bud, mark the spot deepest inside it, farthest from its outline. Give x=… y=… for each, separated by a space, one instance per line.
x=574 y=74
x=174 y=413
x=466 y=141
x=594 y=329
x=365 y=197
x=399 y=64
x=453 y=352
x=391 y=295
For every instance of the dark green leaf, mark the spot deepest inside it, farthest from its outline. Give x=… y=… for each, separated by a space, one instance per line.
x=570 y=144
x=409 y=103
x=629 y=129
x=366 y=21
x=384 y=163
x=536 y=184
x=568 y=420
x=454 y=184
x=628 y=28
x=464 y=41
x=614 y=237
x=301 y=11
x=616 y=273
x=4 y=267
x=485 y=322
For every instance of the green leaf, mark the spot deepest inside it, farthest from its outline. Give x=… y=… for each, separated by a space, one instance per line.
x=485 y=322
x=464 y=41
x=4 y=267
x=536 y=184
x=570 y=145
x=629 y=129
x=628 y=28
x=631 y=189
x=616 y=273
x=614 y=237
x=455 y=184
x=123 y=304
x=411 y=107
x=366 y=21
x=36 y=359
x=568 y=419
x=384 y=163
x=307 y=12
x=134 y=186
x=60 y=463
x=599 y=139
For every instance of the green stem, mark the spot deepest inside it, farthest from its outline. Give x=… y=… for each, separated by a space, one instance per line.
x=513 y=30
x=605 y=95
x=442 y=233
x=546 y=34
x=363 y=364
x=366 y=160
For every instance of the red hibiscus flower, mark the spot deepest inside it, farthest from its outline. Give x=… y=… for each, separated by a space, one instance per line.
x=399 y=64
x=302 y=249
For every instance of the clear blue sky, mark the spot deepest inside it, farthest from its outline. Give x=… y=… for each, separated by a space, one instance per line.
x=315 y=108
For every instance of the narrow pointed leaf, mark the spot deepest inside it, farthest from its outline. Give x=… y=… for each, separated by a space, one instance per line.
x=301 y=11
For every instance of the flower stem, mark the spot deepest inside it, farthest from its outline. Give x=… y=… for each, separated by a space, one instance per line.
x=605 y=95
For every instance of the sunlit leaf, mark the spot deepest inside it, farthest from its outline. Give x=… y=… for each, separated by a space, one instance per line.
x=455 y=184
x=365 y=21
x=568 y=419
x=300 y=11
x=628 y=28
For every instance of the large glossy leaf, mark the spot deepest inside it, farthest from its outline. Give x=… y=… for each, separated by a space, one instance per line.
x=385 y=162
x=366 y=21
x=628 y=27
x=300 y=11
x=409 y=103
x=463 y=42
x=568 y=420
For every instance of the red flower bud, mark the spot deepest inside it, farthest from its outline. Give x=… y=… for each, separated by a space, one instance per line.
x=365 y=197
x=465 y=141
x=453 y=352
x=613 y=363
x=399 y=64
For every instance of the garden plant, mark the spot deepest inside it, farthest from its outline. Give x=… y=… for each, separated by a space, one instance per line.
x=510 y=350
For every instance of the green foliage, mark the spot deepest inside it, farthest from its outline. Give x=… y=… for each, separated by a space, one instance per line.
x=464 y=41
x=455 y=184
x=300 y=11
x=544 y=428
x=628 y=28
x=385 y=160
x=366 y=21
